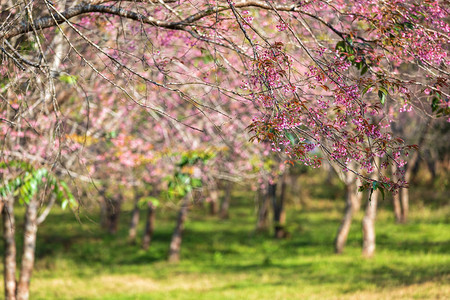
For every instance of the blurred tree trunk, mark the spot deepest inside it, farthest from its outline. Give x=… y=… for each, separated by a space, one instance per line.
x=408 y=170
x=263 y=210
x=225 y=205
x=352 y=205
x=9 y=268
x=214 y=204
x=132 y=233
x=396 y=196
x=149 y=225
x=103 y=204
x=29 y=247
x=278 y=203
x=175 y=244
x=113 y=209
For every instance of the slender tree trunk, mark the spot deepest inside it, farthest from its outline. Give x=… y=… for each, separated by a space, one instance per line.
x=279 y=213
x=368 y=226
x=351 y=206
x=29 y=247
x=113 y=209
x=357 y=196
x=404 y=196
x=263 y=211
x=214 y=204
x=225 y=205
x=396 y=197
x=134 y=220
x=175 y=244
x=103 y=207
x=397 y=207
x=149 y=226
x=10 y=249
x=368 y=222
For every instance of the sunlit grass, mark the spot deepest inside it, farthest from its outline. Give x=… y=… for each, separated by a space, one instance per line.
x=226 y=259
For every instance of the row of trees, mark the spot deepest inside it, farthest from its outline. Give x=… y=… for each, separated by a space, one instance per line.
x=167 y=96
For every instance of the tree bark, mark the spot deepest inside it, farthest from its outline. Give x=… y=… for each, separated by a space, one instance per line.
x=263 y=211
x=132 y=233
x=149 y=226
x=225 y=205
x=368 y=226
x=279 y=213
x=404 y=193
x=368 y=222
x=175 y=244
x=29 y=247
x=103 y=207
x=351 y=206
x=214 y=204
x=396 y=197
x=113 y=209
x=10 y=249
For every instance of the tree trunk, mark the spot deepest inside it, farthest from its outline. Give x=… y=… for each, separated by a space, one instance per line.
x=368 y=226
x=225 y=205
x=113 y=209
x=396 y=197
x=351 y=206
x=103 y=207
x=397 y=207
x=368 y=222
x=214 y=204
x=149 y=226
x=279 y=213
x=175 y=244
x=29 y=247
x=404 y=195
x=10 y=249
x=134 y=221
x=263 y=211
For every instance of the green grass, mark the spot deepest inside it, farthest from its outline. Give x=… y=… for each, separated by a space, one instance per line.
x=228 y=260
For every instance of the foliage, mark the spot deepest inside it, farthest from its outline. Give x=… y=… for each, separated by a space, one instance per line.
x=183 y=181
x=29 y=181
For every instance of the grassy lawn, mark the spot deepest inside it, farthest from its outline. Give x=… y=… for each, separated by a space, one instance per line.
x=226 y=259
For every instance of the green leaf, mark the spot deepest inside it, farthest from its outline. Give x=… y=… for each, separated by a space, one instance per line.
x=408 y=25
x=382 y=96
x=375 y=185
x=340 y=46
x=70 y=79
x=364 y=91
x=364 y=69
x=64 y=204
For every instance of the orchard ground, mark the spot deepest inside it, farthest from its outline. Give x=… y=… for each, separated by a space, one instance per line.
x=226 y=259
